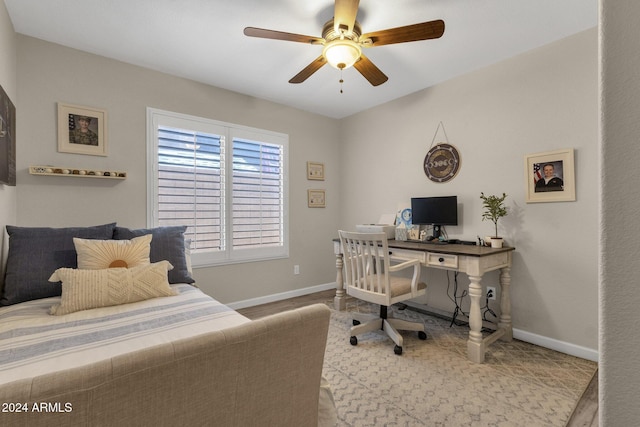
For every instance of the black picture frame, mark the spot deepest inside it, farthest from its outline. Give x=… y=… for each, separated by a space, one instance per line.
x=7 y=140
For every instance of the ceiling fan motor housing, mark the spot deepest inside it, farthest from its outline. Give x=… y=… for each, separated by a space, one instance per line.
x=329 y=32
x=341 y=47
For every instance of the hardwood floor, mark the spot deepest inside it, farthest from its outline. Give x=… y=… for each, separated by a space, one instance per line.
x=287 y=304
x=584 y=415
x=586 y=412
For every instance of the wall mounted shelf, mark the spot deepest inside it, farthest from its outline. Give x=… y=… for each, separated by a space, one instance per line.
x=76 y=172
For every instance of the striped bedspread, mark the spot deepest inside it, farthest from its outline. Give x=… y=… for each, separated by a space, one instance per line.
x=33 y=342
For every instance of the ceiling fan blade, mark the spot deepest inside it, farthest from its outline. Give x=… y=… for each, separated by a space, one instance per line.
x=409 y=33
x=370 y=71
x=309 y=70
x=279 y=35
x=344 y=15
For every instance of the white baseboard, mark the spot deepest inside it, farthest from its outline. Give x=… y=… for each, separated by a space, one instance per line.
x=553 y=344
x=542 y=341
x=278 y=297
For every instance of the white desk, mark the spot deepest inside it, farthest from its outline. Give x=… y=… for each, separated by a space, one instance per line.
x=469 y=259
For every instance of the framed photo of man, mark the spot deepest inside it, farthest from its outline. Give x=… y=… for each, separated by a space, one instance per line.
x=82 y=130
x=550 y=176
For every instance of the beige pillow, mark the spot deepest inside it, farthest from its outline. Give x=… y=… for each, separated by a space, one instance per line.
x=86 y=289
x=99 y=254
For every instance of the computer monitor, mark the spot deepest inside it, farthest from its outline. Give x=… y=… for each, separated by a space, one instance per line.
x=435 y=211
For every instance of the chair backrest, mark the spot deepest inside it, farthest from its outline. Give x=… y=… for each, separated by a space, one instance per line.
x=366 y=266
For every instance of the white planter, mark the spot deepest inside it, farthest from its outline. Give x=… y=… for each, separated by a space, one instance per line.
x=496 y=242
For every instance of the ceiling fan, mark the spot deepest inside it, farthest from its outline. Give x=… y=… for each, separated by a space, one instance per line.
x=343 y=41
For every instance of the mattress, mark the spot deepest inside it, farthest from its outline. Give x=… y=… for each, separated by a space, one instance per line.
x=33 y=342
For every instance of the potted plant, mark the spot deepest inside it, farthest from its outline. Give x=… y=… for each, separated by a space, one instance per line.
x=494 y=209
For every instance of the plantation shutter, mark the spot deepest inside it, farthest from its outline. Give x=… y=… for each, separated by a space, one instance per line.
x=227 y=184
x=191 y=185
x=257 y=186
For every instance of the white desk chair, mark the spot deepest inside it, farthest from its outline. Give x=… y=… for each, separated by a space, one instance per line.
x=368 y=277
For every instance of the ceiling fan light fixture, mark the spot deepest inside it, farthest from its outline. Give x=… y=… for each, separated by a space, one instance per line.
x=342 y=53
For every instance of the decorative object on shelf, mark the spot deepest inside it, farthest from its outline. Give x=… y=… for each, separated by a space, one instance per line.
x=550 y=176
x=494 y=209
x=82 y=130
x=316 y=198
x=315 y=171
x=7 y=140
x=76 y=172
x=442 y=162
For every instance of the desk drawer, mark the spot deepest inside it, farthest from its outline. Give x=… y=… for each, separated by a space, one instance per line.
x=404 y=255
x=442 y=260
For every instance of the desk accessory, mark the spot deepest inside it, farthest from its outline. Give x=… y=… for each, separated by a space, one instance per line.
x=494 y=209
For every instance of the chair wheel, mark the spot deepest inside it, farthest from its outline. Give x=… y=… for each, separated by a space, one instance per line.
x=353 y=341
x=422 y=335
x=397 y=350
x=356 y=322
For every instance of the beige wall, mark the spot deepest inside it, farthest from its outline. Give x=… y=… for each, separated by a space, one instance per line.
x=619 y=207
x=543 y=100
x=50 y=73
x=9 y=84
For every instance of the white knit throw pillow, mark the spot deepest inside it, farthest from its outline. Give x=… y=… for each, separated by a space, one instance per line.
x=86 y=289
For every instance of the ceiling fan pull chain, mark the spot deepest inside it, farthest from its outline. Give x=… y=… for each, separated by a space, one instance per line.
x=341 y=80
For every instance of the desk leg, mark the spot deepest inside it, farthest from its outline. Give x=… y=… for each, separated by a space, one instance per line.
x=475 y=344
x=339 y=301
x=505 y=304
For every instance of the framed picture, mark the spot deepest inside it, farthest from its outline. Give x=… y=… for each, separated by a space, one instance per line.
x=315 y=171
x=7 y=140
x=316 y=198
x=82 y=130
x=413 y=232
x=550 y=176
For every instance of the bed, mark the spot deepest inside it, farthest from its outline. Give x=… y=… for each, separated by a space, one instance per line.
x=177 y=359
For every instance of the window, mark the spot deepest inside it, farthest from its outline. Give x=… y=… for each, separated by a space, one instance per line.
x=226 y=183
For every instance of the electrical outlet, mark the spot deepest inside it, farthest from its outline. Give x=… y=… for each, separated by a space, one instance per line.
x=296 y=269
x=491 y=292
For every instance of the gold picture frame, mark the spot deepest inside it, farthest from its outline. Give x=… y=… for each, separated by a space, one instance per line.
x=316 y=198
x=315 y=171
x=550 y=176
x=82 y=130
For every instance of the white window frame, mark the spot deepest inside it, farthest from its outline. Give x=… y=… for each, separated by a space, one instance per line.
x=155 y=118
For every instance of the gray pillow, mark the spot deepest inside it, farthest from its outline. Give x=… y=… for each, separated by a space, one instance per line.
x=167 y=244
x=36 y=252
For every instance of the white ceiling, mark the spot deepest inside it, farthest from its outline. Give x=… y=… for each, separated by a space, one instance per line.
x=203 y=40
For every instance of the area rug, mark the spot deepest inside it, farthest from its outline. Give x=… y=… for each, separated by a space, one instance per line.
x=433 y=384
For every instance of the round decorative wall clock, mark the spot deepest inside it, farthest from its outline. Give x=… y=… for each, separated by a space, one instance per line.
x=442 y=163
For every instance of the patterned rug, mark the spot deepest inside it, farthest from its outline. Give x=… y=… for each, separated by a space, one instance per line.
x=433 y=384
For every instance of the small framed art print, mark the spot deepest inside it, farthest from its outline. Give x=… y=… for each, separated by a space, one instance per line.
x=316 y=198
x=315 y=171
